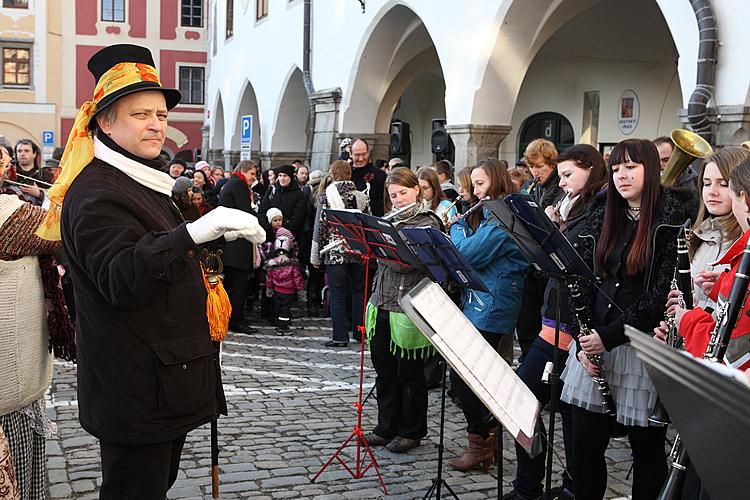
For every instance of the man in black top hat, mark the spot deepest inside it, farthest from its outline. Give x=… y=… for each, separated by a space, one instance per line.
x=148 y=371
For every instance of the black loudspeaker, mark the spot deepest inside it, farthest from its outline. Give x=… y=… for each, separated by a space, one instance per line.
x=400 y=139
x=441 y=142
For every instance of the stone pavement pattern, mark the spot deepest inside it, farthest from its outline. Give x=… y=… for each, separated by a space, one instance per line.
x=290 y=406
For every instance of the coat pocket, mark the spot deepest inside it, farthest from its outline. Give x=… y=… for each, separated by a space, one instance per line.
x=186 y=376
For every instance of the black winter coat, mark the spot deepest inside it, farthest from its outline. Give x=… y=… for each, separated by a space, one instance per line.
x=375 y=177
x=293 y=205
x=148 y=371
x=236 y=194
x=640 y=298
x=546 y=194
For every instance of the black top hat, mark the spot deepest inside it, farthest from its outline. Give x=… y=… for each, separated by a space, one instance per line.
x=105 y=59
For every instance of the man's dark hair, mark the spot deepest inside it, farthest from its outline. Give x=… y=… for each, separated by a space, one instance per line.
x=444 y=167
x=34 y=148
x=57 y=153
x=178 y=161
x=299 y=161
x=380 y=163
x=663 y=140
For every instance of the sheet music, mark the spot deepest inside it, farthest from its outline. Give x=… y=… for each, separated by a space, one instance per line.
x=483 y=369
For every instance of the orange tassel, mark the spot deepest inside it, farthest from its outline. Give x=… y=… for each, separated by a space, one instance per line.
x=218 y=307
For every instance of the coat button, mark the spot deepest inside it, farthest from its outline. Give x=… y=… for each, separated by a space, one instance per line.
x=191 y=253
x=575 y=245
x=608 y=306
x=184 y=367
x=617 y=285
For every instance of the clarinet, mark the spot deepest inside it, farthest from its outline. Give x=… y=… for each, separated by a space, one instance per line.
x=681 y=281
x=726 y=321
x=583 y=316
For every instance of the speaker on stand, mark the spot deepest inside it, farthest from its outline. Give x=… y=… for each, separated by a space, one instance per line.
x=441 y=142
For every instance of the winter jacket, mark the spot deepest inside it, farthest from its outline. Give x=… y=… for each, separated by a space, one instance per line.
x=371 y=181
x=544 y=194
x=236 y=194
x=292 y=203
x=393 y=281
x=324 y=233
x=639 y=298
x=501 y=266
x=147 y=369
x=283 y=276
x=712 y=247
x=697 y=324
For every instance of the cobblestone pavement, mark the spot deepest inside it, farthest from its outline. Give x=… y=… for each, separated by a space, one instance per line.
x=290 y=406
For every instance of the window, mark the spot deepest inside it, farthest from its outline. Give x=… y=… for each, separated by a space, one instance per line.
x=192 y=13
x=16 y=4
x=261 y=9
x=191 y=84
x=230 y=19
x=551 y=126
x=16 y=68
x=113 y=10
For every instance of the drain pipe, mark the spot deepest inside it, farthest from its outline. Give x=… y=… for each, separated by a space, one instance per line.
x=708 y=43
x=307 y=79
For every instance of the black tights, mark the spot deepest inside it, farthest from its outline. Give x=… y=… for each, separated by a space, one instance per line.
x=591 y=432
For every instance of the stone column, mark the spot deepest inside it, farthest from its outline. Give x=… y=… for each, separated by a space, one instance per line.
x=213 y=155
x=730 y=125
x=231 y=158
x=326 y=116
x=205 y=135
x=476 y=142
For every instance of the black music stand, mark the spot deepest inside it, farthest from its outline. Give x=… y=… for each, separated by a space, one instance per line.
x=367 y=237
x=708 y=407
x=550 y=253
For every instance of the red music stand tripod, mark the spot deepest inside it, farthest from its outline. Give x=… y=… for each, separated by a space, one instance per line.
x=356 y=235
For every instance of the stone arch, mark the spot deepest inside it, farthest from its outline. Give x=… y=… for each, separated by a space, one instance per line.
x=247 y=104
x=217 y=129
x=12 y=132
x=292 y=115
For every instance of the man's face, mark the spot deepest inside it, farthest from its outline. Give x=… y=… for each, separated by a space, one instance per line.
x=360 y=155
x=25 y=156
x=665 y=151
x=251 y=176
x=302 y=175
x=176 y=170
x=140 y=123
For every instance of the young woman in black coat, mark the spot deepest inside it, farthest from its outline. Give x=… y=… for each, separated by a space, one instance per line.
x=630 y=242
x=285 y=195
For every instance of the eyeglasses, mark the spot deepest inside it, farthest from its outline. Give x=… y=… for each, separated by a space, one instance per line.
x=359 y=155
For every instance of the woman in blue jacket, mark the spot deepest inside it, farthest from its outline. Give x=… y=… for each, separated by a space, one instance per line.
x=502 y=267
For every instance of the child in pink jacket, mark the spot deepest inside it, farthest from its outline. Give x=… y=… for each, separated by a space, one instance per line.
x=283 y=278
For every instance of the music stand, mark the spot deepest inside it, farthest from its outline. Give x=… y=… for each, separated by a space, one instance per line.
x=545 y=247
x=367 y=237
x=708 y=406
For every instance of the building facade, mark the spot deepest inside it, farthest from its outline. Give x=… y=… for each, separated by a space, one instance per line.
x=499 y=72
x=64 y=34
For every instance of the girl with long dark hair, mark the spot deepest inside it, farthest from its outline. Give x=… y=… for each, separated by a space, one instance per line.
x=630 y=242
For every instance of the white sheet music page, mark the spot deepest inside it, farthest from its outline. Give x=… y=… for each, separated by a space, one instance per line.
x=484 y=371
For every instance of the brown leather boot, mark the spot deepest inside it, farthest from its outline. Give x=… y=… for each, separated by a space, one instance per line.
x=475 y=454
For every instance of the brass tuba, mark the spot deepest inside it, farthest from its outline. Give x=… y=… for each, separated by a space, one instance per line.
x=688 y=147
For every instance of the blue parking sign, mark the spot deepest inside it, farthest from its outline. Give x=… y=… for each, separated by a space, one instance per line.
x=246 y=129
x=48 y=138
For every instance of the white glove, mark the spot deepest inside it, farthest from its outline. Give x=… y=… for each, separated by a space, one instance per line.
x=227 y=222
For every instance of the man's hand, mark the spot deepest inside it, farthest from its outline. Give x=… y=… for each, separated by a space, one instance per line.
x=32 y=191
x=227 y=222
x=590 y=367
x=592 y=344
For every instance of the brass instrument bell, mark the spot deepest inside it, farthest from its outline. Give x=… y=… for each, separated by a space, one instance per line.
x=688 y=147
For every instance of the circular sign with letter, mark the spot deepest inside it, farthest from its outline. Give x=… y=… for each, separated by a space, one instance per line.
x=628 y=112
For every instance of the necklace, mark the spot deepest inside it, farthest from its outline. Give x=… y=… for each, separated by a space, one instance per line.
x=635 y=209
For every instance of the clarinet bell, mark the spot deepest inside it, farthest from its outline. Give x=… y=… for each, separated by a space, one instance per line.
x=659 y=416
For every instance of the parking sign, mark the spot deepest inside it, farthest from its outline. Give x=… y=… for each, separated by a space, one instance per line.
x=246 y=129
x=48 y=138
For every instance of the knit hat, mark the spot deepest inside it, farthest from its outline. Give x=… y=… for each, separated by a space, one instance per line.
x=181 y=185
x=284 y=169
x=202 y=165
x=284 y=241
x=272 y=213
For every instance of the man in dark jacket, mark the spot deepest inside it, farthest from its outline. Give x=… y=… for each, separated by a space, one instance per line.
x=367 y=178
x=148 y=371
x=238 y=254
x=285 y=195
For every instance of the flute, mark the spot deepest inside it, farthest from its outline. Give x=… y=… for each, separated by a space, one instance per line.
x=32 y=179
x=8 y=181
x=398 y=212
x=472 y=209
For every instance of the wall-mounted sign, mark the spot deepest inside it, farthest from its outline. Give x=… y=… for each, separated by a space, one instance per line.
x=629 y=110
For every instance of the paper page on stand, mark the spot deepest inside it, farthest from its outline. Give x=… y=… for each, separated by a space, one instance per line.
x=483 y=369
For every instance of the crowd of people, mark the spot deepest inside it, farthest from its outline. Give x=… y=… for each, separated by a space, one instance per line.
x=133 y=233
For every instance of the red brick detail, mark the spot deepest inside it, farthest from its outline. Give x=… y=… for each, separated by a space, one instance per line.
x=169 y=19
x=115 y=30
x=86 y=17
x=193 y=132
x=84 y=79
x=65 y=125
x=137 y=19
x=168 y=60
x=192 y=35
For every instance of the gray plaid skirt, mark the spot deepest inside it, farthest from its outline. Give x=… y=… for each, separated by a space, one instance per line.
x=27 y=449
x=632 y=389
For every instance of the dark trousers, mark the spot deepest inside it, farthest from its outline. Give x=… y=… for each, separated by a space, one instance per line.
x=346 y=280
x=530 y=471
x=400 y=384
x=139 y=472
x=282 y=308
x=530 y=317
x=474 y=410
x=236 y=284
x=591 y=433
x=315 y=284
